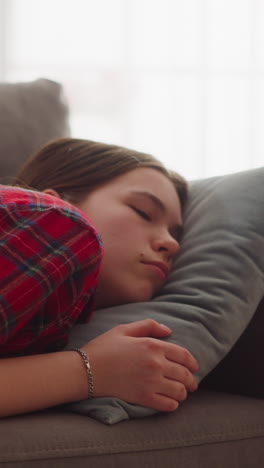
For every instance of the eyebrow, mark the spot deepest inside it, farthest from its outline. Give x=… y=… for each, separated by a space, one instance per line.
x=177 y=230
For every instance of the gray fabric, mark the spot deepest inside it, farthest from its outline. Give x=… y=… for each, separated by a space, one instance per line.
x=209 y=430
x=110 y=410
x=31 y=114
x=214 y=288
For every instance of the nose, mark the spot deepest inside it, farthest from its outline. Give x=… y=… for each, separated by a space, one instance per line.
x=166 y=243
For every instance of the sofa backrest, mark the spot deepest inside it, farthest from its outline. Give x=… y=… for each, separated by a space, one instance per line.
x=31 y=114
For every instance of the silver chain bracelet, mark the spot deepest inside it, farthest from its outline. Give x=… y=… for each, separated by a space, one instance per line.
x=88 y=368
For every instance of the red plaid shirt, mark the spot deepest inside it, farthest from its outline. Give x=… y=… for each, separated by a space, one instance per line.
x=50 y=254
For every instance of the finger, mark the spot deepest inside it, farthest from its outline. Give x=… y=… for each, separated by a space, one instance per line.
x=146 y=328
x=180 y=355
x=181 y=374
x=173 y=389
x=161 y=403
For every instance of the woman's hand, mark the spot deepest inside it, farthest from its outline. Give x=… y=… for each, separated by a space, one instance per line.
x=129 y=363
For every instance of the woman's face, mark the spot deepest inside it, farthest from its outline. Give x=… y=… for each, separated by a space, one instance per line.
x=138 y=215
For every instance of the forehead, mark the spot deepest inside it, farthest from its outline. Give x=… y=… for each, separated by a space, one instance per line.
x=151 y=181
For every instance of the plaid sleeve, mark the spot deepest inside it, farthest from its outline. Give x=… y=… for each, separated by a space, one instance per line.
x=50 y=259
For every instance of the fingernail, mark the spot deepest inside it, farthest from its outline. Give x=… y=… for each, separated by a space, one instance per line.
x=166 y=328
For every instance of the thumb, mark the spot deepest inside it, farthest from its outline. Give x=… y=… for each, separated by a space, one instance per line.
x=148 y=327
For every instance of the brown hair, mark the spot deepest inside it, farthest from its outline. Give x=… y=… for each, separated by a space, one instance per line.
x=75 y=167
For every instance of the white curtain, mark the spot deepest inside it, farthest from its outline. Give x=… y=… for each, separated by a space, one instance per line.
x=181 y=79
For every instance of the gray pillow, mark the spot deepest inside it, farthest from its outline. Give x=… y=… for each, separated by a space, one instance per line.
x=31 y=114
x=214 y=289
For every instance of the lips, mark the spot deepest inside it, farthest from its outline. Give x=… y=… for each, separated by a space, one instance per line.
x=164 y=269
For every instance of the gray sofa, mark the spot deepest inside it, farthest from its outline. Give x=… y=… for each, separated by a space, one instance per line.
x=211 y=429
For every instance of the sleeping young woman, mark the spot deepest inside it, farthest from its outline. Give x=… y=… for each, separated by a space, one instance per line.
x=88 y=225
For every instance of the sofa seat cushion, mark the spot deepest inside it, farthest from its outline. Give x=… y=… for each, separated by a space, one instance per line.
x=209 y=430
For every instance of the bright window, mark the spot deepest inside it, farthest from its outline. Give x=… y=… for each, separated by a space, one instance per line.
x=182 y=80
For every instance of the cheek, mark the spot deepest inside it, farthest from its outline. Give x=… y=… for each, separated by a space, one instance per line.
x=122 y=232
x=113 y=236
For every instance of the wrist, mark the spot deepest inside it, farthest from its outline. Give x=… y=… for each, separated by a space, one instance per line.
x=77 y=374
x=87 y=366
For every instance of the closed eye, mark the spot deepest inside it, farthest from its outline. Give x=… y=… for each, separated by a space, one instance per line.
x=141 y=213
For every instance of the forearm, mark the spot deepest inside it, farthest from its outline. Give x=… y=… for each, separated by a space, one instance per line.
x=127 y=362
x=36 y=382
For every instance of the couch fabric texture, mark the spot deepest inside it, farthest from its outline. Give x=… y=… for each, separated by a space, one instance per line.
x=207 y=431
x=31 y=114
x=210 y=429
